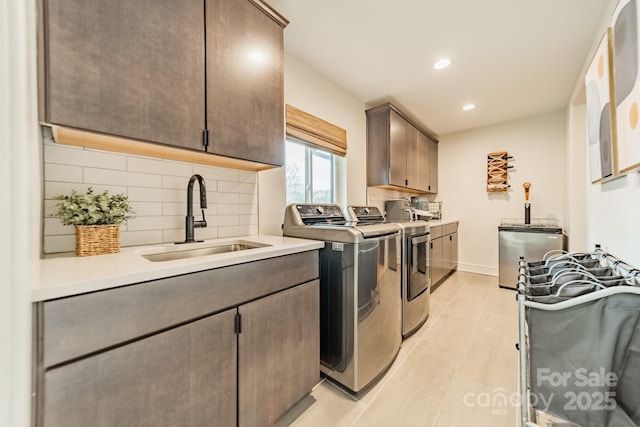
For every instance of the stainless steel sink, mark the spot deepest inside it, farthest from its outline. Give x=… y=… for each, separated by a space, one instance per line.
x=182 y=253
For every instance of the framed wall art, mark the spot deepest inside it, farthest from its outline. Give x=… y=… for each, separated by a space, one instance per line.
x=626 y=80
x=600 y=112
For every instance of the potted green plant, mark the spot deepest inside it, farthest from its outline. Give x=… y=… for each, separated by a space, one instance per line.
x=97 y=219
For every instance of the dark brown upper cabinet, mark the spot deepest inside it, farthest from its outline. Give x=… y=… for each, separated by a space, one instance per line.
x=166 y=71
x=245 y=83
x=133 y=69
x=398 y=152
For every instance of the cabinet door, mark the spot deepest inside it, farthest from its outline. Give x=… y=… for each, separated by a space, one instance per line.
x=424 y=166
x=412 y=157
x=433 y=166
x=127 y=68
x=279 y=353
x=184 y=376
x=397 y=149
x=245 y=89
x=454 y=251
x=437 y=261
x=446 y=254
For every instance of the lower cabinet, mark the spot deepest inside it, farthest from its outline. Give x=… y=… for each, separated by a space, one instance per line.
x=450 y=252
x=444 y=251
x=278 y=353
x=437 y=260
x=182 y=351
x=185 y=376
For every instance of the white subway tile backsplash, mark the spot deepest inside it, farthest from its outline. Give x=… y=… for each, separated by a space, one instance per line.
x=177 y=235
x=247 y=219
x=248 y=198
x=54 y=227
x=147 y=208
x=54 y=188
x=225 y=198
x=240 y=230
x=236 y=187
x=175 y=208
x=171 y=236
x=181 y=183
x=248 y=177
x=218 y=174
x=112 y=177
x=160 y=167
x=140 y=194
x=137 y=238
x=53 y=244
x=237 y=209
x=222 y=220
x=65 y=155
x=66 y=173
x=155 y=223
x=205 y=233
x=157 y=192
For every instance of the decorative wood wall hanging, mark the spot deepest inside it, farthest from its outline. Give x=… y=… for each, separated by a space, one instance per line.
x=497 y=167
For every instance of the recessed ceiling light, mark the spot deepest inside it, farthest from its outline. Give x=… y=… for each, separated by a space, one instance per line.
x=468 y=107
x=441 y=64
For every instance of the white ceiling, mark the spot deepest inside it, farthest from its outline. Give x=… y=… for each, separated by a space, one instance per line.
x=512 y=58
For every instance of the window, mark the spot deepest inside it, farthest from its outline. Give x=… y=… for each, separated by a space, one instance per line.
x=310 y=174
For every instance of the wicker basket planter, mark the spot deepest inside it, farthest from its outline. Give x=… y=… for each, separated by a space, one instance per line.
x=97 y=239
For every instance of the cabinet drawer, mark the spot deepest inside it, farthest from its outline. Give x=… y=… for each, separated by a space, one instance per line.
x=436 y=231
x=83 y=324
x=449 y=228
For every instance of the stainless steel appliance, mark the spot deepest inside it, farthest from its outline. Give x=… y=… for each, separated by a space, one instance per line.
x=416 y=264
x=531 y=241
x=360 y=305
x=422 y=203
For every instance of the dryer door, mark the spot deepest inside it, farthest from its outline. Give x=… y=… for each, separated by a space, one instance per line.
x=418 y=266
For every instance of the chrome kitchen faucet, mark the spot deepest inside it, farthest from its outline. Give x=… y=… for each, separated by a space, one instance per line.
x=190 y=223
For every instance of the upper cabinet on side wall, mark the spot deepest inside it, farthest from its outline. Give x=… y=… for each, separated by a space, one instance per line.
x=399 y=154
x=433 y=166
x=158 y=71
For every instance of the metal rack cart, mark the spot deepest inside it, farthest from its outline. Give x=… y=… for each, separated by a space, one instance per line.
x=579 y=341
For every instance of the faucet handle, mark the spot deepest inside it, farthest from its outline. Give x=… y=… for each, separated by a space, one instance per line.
x=201 y=224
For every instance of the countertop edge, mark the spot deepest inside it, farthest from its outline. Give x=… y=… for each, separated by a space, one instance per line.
x=70 y=275
x=436 y=222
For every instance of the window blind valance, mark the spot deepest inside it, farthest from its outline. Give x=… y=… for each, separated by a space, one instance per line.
x=316 y=132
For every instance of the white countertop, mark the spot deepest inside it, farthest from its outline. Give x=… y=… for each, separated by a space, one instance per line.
x=436 y=222
x=64 y=275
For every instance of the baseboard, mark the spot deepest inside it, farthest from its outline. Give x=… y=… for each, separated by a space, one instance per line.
x=479 y=269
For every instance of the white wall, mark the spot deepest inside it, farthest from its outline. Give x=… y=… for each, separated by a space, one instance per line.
x=577 y=180
x=537 y=145
x=613 y=217
x=313 y=93
x=20 y=212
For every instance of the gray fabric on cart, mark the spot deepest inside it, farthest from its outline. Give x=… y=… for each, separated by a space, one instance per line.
x=601 y=334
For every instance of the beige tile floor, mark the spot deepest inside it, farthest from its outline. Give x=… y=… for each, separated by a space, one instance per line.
x=456 y=370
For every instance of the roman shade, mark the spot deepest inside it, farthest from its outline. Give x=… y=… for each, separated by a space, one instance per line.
x=316 y=132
